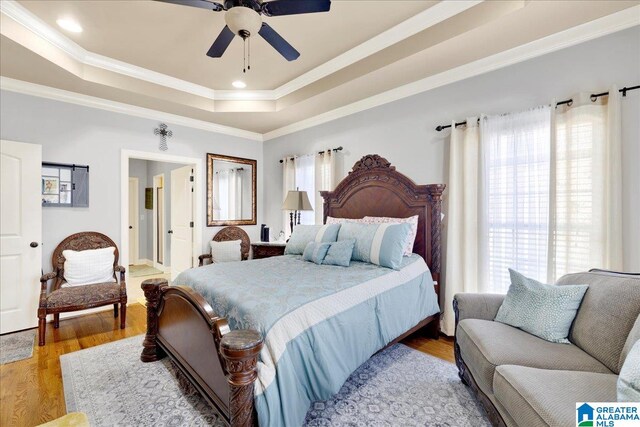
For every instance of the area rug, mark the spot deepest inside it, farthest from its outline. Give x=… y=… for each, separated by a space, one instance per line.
x=398 y=387
x=143 y=270
x=17 y=346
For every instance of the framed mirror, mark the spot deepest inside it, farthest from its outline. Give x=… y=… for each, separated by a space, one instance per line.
x=231 y=190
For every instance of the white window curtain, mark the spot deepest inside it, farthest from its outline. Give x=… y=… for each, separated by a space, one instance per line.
x=586 y=198
x=538 y=191
x=288 y=183
x=306 y=181
x=515 y=158
x=325 y=179
x=462 y=220
x=230 y=194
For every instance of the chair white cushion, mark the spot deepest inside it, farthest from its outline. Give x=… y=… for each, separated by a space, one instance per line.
x=88 y=267
x=226 y=251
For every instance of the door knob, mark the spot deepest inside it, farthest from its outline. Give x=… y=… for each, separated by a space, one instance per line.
x=170 y=231
x=130 y=227
x=33 y=244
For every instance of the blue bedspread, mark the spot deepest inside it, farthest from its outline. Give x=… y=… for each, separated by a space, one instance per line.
x=319 y=322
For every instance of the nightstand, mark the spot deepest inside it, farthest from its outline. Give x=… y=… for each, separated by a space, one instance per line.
x=267 y=249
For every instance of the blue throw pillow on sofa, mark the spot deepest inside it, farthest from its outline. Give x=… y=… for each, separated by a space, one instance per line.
x=546 y=311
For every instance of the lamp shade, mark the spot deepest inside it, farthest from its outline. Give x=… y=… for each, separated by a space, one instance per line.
x=297 y=201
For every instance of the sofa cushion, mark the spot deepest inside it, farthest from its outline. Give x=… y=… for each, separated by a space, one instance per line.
x=540 y=397
x=607 y=313
x=485 y=344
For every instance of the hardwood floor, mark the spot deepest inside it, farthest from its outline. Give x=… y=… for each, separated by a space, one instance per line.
x=31 y=390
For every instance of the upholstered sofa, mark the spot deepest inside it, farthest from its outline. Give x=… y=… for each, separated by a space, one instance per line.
x=523 y=380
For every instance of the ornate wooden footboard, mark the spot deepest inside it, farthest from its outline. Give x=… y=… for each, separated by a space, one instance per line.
x=222 y=364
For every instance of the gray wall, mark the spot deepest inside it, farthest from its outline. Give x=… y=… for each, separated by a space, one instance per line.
x=403 y=131
x=71 y=133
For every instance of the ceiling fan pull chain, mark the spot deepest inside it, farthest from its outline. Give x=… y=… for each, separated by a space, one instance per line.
x=244 y=55
x=249 y=61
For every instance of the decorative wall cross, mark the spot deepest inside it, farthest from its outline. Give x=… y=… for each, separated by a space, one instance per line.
x=164 y=134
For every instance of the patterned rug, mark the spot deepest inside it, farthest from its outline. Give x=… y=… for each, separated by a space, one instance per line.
x=17 y=346
x=398 y=387
x=143 y=270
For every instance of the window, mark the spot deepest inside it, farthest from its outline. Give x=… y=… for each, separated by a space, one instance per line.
x=306 y=181
x=516 y=154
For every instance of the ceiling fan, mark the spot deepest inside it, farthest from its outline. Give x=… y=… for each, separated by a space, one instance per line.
x=243 y=18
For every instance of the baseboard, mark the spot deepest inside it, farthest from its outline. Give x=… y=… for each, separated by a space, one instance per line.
x=145 y=261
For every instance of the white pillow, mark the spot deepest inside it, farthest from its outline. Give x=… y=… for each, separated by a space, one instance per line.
x=90 y=266
x=226 y=251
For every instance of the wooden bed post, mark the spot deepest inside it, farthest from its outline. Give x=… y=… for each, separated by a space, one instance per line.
x=152 y=291
x=240 y=350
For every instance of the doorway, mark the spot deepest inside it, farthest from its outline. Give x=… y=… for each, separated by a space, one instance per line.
x=170 y=209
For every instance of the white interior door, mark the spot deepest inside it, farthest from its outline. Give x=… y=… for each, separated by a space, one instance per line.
x=20 y=234
x=134 y=232
x=181 y=220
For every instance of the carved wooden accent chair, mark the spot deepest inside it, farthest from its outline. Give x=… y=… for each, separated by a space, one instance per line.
x=228 y=234
x=73 y=298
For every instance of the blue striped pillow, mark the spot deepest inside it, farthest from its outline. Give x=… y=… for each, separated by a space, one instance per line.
x=380 y=244
x=303 y=234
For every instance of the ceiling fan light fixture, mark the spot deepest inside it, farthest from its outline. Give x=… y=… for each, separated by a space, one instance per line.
x=239 y=84
x=240 y=19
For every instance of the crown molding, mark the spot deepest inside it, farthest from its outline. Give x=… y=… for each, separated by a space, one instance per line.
x=615 y=22
x=41 y=91
x=419 y=22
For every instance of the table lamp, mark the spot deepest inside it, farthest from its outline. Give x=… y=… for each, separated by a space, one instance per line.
x=295 y=202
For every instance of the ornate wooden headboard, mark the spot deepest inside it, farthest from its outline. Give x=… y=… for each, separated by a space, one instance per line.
x=375 y=188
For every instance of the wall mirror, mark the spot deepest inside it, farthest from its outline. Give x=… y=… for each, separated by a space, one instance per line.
x=231 y=190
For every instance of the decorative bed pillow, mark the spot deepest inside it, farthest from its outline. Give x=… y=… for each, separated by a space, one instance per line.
x=545 y=311
x=412 y=220
x=629 y=378
x=380 y=244
x=315 y=252
x=303 y=234
x=228 y=251
x=88 y=267
x=339 y=253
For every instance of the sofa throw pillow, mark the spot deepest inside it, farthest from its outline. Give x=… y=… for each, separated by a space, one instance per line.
x=228 y=251
x=89 y=267
x=545 y=311
x=339 y=253
x=303 y=234
x=629 y=378
x=315 y=252
x=380 y=244
x=412 y=220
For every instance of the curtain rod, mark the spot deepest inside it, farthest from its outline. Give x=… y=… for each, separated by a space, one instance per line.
x=568 y=102
x=319 y=152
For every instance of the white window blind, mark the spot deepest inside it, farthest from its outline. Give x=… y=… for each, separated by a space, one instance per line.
x=306 y=181
x=515 y=197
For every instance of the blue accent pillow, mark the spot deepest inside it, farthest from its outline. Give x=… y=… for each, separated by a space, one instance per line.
x=339 y=253
x=315 y=252
x=546 y=311
x=381 y=244
x=303 y=234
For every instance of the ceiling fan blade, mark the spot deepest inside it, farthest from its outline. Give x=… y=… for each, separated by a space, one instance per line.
x=294 y=7
x=221 y=44
x=202 y=4
x=278 y=43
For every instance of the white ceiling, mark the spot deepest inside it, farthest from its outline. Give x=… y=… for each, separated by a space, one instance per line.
x=360 y=54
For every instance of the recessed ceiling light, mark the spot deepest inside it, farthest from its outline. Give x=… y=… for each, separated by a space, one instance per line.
x=69 y=25
x=239 y=84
